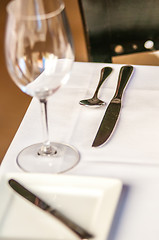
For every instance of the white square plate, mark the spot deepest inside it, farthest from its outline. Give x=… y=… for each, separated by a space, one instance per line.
x=89 y=201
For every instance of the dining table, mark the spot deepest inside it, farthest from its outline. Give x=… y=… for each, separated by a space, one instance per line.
x=131 y=154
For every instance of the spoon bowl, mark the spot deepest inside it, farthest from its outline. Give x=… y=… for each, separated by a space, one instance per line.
x=90 y=102
x=95 y=101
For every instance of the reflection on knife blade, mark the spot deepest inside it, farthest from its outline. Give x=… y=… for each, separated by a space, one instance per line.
x=112 y=112
x=79 y=231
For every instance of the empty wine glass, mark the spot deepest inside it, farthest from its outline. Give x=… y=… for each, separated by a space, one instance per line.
x=39 y=57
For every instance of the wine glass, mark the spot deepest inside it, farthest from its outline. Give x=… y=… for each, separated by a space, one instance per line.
x=39 y=57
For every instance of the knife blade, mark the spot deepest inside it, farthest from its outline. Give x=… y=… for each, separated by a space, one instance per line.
x=113 y=110
x=24 y=192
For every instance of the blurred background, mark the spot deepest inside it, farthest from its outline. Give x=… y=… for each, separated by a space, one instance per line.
x=14 y=103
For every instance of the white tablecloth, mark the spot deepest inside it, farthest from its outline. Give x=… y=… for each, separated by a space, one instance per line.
x=132 y=154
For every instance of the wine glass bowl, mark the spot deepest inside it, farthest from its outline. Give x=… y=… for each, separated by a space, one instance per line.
x=39 y=57
x=41 y=47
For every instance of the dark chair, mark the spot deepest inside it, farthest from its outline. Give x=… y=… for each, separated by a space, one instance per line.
x=117 y=27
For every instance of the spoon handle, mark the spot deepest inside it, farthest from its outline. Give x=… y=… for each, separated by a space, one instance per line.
x=105 y=72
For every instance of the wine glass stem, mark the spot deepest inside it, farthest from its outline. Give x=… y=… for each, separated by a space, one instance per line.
x=46 y=148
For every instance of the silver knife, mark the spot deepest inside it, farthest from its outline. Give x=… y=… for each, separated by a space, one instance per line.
x=79 y=231
x=112 y=112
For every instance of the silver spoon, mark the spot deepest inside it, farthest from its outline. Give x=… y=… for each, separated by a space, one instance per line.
x=95 y=101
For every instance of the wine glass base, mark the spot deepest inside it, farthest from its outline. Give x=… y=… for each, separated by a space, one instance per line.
x=65 y=158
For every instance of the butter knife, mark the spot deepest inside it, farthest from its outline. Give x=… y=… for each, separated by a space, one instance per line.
x=79 y=231
x=113 y=110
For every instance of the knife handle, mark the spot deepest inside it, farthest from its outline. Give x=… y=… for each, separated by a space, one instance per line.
x=82 y=233
x=78 y=230
x=124 y=75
